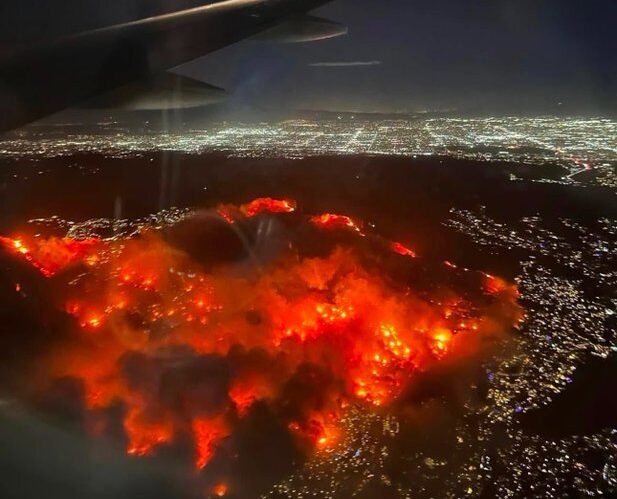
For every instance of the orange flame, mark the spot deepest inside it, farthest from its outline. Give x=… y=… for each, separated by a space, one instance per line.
x=269 y=205
x=334 y=221
x=51 y=255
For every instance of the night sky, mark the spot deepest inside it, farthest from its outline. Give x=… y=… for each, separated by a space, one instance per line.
x=472 y=56
x=469 y=56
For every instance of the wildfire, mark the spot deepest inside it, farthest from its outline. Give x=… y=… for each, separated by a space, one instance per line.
x=306 y=336
x=231 y=213
x=51 y=255
x=261 y=205
x=334 y=221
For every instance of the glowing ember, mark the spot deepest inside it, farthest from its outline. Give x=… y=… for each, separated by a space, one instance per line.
x=226 y=215
x=442 y=337
x=93 y=321
x=220 y=490
x=245 y=393
x=403 y=250
x=307 y=337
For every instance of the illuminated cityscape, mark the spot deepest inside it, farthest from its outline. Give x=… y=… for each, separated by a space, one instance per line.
x=586 y=148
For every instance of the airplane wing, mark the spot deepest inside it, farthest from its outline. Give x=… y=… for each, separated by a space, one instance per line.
x=124 y=64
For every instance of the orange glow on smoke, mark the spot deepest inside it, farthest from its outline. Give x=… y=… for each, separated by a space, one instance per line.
x=144 y=436
x=494 y=285
x=244 y=393
x=442 y=338
x=207 y=432
x=327 y=326
x=327 y=437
